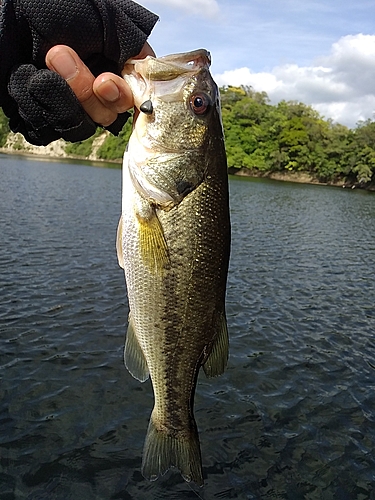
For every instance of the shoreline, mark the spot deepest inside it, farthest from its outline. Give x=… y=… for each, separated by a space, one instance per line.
x=299 y=178
x=51 y=157
x=296 y=177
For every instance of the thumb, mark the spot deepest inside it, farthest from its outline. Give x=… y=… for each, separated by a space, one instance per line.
x=65 y=61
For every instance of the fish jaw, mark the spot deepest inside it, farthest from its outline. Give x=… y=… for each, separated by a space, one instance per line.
x=167 y=68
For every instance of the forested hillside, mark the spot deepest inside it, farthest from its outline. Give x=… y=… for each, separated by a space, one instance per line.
x=294 y=137
x=265 y=138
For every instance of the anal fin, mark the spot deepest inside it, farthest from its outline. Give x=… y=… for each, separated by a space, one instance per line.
x=217 y=360
x=134 y=358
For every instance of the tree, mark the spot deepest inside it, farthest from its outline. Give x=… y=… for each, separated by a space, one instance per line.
x=113 y=147
x=4 y=128
x=361 y=153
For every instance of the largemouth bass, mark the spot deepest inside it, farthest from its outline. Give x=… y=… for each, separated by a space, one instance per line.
x=173 y=242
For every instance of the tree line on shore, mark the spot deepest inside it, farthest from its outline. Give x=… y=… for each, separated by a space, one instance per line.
x=264 y=138
x=292 y=136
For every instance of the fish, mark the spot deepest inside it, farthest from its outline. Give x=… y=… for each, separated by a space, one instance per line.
x=173 y=242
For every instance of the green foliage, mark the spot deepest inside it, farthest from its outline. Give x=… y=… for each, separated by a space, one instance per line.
x=114 y=146
x=361 y=152
x=82 y=148
x=4 y=128
x=292 y=136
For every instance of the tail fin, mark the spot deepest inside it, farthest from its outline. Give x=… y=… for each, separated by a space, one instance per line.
x=163 y=451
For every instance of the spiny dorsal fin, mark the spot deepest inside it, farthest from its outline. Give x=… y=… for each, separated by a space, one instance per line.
x=154 y=250
x=218 y=357
x=120 y=256
x=134 y=358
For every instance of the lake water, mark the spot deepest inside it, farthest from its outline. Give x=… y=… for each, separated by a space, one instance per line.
x=293 y=417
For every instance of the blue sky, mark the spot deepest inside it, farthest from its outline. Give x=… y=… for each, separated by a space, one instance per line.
x=319 y=52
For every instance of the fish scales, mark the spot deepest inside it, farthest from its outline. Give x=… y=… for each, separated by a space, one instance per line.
x=175 y=256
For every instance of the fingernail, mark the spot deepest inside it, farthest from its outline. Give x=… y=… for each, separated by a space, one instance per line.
x=109 y=91
x=64 y=65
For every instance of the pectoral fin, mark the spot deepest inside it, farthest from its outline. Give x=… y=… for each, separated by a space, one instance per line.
x=154 y=250
x=120 y=256
x=218 y=357
x=134 y=358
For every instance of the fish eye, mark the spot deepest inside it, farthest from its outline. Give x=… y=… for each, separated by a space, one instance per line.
x=200 y=103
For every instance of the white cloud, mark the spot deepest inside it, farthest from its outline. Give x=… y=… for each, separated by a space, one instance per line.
x=207 y=8
x=341 y=85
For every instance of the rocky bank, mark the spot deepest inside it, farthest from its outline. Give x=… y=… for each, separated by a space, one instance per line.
x=17 y=144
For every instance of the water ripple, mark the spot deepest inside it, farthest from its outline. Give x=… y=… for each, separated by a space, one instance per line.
x=293 y=415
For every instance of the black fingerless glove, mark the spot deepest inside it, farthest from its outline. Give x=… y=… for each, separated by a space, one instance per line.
x=38 y=102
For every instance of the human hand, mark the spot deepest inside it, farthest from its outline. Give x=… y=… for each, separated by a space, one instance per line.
x=39 y=102
x=103 y=98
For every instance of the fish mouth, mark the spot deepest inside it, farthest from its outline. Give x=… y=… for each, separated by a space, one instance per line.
x=142 y=75
x=168 y=67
